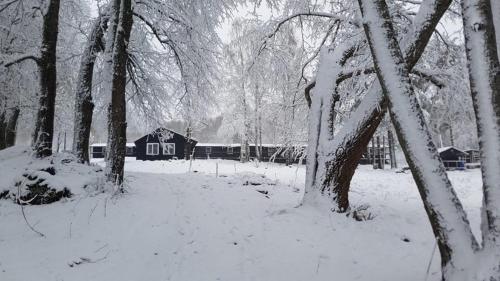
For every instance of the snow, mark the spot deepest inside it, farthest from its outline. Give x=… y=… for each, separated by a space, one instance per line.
x=442 y=149
x=176 y=225
x=17 y=161
x=128 y=144
x=217 y=144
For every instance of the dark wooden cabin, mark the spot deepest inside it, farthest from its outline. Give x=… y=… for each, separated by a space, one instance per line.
x=452 y=157
x=473 y=156
x=162 y=144
x=130 y=150
x=270 y=152
x=98 y=150
x=217 y=151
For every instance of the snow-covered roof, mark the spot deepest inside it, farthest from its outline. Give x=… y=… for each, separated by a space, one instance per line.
x=217 y=144
x=98 y=144
x=442 y=149
x=130 y=144
x=173 y=131
x=237 y=144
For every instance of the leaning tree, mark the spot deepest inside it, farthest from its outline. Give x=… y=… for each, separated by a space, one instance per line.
x=462 y=258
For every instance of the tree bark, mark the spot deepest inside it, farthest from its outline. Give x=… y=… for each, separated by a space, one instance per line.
x=44 y=126
x=3 y=128
x=484 y=76
x=446 y=215
x=392 y=150
x=117 y=124
x=350 y=142
x=495 y=8
x=84 y=106
x=11 y=127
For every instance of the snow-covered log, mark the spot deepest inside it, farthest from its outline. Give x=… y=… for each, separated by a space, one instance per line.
x=346 y=149
x=84 y=105
x=445 y=212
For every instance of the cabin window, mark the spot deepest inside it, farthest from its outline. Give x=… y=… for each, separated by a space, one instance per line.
x=208 y=149
x=169 y=149
x=97 y=149
x=230 y=150
x=152 y=149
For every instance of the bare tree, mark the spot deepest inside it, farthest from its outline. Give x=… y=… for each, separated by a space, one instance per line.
x=347 y=148
x=116 y=50
x=84 y=106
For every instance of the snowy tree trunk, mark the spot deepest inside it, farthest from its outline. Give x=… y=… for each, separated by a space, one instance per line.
x=44 y=125
x=245 y=149
x=256 y=136
x=347 y=149
x=84 y=105
x=11 y=126
x=321 y=117
x=189 y=142
x=379 y=154
x=117 y=124
x=484 y=75
x=447 y=216
x=392 y=150
x=3 y=129
x=495 y=8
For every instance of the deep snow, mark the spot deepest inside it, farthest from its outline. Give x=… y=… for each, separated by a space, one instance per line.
x=179 y=225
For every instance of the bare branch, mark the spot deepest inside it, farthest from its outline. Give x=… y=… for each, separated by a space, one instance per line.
x=21 y=59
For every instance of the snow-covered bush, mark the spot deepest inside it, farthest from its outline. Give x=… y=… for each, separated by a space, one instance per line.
x=28 y=180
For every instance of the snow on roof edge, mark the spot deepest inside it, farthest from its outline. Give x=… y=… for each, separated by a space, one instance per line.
x=105 y=144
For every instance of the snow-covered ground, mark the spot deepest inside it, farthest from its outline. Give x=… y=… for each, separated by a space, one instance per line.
x=193 y=226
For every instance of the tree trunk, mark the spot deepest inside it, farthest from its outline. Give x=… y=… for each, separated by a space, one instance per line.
x=495 y=8
x=322 y=116
x=452 y=140
x=44 y=126
x=484 y=76
x=11 y=127
x=382 y=161
x=379 y=158
x=392 y=149
x=84 y=105
x=117 y=124
x=3 y=129
x=350 y=142
x=447 y=216
x=373 y=153
x=189 y=143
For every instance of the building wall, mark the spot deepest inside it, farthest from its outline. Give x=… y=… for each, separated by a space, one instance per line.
x=141 y=147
